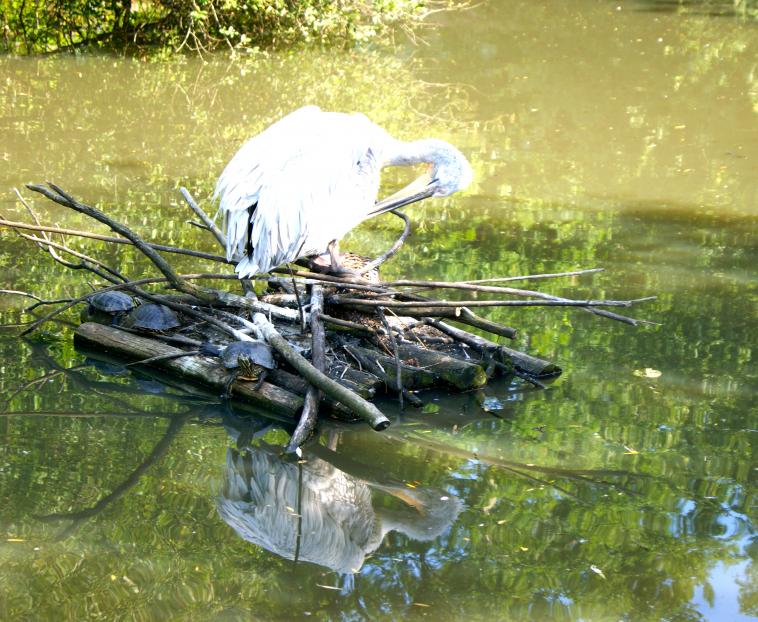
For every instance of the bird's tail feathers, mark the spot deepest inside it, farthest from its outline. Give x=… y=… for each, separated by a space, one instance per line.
x=247 y=268
x=236 y=233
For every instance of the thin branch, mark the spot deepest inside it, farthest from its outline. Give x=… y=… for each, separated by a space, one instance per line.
x=86 y=259
x=111 y=239
x=300 y=311
x=207 y=220
x=20 y=293
x=58 y=195
x=435 y=304
x=163 y=357
x=396 y=354
x=119 y=286
x=502 y=279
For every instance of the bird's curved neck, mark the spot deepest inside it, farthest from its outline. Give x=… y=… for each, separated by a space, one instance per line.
x=404 y=153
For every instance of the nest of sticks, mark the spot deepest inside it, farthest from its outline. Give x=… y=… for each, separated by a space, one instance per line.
x=339 y=340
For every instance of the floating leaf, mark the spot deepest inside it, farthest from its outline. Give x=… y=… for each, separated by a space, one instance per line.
x=490 y=504
x=597 y=571
x=491 y=403
x=430 y=409
x=648 y=372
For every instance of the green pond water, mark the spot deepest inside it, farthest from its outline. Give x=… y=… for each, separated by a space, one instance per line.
x=621 y=135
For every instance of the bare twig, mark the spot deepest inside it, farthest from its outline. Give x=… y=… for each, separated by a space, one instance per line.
x=396 y=354
x=499 y=279
x=110 y=239
x=440 y=304
x=207 y=220
x=87 y=262
x=56 y=194
x=298 y=301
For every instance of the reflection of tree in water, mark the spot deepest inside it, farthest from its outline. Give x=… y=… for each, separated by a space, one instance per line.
x=315 y=512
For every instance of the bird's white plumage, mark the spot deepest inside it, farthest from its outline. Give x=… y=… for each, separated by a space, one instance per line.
x=306 y=180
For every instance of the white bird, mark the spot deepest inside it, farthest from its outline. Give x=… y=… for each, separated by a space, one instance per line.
x=298 y=187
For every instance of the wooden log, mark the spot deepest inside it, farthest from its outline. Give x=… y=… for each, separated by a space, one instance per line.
x=257 y=306
x=532 y=365
x=292 y=382
x=472 y=319
x=460 y=374
x=525 y=363
x=384 y=367
x=195 y=368
x=362 y=382
x=297 y=385
x=367 y=411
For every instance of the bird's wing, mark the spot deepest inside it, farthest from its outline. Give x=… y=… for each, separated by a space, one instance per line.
x=324 y=183
x=240 y=184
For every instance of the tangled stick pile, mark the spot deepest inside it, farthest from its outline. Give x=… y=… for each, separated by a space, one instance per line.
x=337 y=340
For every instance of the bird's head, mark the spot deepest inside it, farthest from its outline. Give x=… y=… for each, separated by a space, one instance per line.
x=449 y=172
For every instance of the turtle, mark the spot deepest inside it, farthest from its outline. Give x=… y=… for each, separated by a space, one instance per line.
x=246 y=360
x=107 y=307
x=151 y=317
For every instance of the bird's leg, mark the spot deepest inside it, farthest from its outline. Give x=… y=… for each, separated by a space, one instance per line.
x=335 y=258
x=334 y=255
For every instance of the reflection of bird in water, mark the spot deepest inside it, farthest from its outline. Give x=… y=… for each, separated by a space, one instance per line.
x=271 y=502
x=299 y=186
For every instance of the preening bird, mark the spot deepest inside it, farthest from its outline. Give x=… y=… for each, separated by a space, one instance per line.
x=298 y=187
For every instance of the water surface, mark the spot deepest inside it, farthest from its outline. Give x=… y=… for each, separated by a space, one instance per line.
x=603 y=134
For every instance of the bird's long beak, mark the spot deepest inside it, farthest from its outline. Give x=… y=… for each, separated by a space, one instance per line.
x=421 y=188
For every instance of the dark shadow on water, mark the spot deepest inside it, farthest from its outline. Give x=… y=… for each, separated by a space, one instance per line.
x=704 y=8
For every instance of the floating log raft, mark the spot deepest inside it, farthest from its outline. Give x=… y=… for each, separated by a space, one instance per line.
x=338 y=341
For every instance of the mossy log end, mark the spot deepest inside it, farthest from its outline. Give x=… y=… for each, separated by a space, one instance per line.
x=462 y=375
x=192 y=367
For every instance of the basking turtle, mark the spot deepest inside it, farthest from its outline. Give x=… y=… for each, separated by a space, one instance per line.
x=246 y=360
x=107 y=307
x=151 y=317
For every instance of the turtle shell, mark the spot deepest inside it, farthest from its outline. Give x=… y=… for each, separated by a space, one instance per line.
x=258 y=352
x=111 y=302
x=151 y=317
